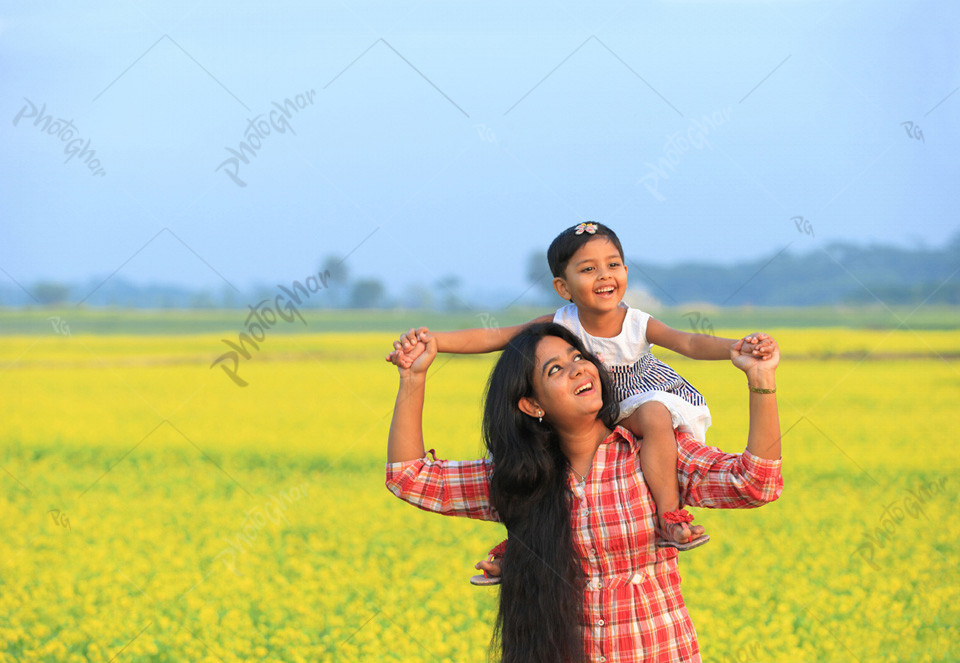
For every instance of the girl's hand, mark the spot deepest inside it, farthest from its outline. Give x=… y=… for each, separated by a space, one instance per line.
x=400 y=356
x=758 y=345
x=751 y=362
x=418 y=360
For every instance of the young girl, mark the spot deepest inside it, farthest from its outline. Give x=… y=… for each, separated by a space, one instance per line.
x=588 y=268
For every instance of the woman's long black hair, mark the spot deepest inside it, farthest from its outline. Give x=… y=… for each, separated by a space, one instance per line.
x=542 y=584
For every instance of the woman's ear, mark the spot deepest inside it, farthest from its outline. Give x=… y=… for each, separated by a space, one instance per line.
x=561 y=287
x=529 y=406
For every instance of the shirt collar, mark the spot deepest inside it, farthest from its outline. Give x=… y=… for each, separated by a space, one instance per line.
x=621 y=434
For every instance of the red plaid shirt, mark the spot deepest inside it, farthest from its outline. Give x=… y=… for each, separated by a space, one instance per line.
x=633 y=610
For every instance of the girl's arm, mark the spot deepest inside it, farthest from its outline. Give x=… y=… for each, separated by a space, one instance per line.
x=705 y=346
x=475 y=341
x=465 y=341
x=695 y=346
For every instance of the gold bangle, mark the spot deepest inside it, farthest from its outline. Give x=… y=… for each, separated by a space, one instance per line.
x=758 y=390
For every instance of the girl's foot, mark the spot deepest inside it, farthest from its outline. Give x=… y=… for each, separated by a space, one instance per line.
x=491 y=567
x=674 y=531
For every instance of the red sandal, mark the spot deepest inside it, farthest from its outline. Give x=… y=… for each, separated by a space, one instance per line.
x=675 y=518
x=484 y=579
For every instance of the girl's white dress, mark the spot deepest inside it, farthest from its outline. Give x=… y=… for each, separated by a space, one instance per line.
x=637 y=375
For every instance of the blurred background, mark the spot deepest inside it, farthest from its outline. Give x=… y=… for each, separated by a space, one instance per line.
x=186 y=155
x=170 y=169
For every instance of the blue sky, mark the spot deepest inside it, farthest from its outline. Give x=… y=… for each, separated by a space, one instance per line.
x=437 y=139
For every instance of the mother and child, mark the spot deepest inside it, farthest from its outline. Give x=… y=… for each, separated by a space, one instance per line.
x=595 y=446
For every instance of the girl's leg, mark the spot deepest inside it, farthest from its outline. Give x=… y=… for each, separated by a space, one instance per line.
x=658 y=460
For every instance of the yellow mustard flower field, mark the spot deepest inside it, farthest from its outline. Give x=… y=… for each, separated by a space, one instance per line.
x=155 y=510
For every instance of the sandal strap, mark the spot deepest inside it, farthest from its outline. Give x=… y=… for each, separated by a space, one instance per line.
x=678 y=516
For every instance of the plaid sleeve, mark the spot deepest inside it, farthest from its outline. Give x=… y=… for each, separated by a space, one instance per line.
x=713 y=479
x=449 y=487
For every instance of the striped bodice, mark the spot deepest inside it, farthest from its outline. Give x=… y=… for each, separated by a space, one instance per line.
x=651 y=374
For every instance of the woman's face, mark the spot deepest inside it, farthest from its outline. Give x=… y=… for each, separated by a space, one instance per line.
x=565 y=383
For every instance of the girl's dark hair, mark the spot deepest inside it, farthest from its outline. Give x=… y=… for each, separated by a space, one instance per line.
x=542 y=583
x=566 y=244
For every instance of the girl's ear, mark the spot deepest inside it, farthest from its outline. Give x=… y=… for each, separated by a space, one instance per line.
x=530 y=407
x=561 y=287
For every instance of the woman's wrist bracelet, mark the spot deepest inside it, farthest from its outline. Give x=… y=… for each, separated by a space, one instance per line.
x=758 y=390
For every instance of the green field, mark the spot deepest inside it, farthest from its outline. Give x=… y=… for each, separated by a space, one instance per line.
x=155 y=511
x=692 y=317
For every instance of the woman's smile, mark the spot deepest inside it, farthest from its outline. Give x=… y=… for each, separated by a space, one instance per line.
x=585 y=388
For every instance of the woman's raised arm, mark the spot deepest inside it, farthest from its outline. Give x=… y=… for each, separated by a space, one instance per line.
x=714 y=479
x=454 y=488
x=406 y=429
x=763 y=438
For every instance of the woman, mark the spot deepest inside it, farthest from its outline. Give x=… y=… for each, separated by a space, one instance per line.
x=582 y=578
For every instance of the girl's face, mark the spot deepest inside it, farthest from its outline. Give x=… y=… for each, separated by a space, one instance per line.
x=566 y=384
x=595 y=278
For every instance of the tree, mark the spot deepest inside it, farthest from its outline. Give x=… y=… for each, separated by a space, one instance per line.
x=367 y=293
x=339 y=280
x=229 y=297
x=202 y=299
x=337 y=266
x=50 y=292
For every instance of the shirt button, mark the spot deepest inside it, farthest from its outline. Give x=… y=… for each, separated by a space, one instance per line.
x=600 y=622
x=602 y=659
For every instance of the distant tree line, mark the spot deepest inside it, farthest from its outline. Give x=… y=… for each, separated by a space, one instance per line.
x=837 y=273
